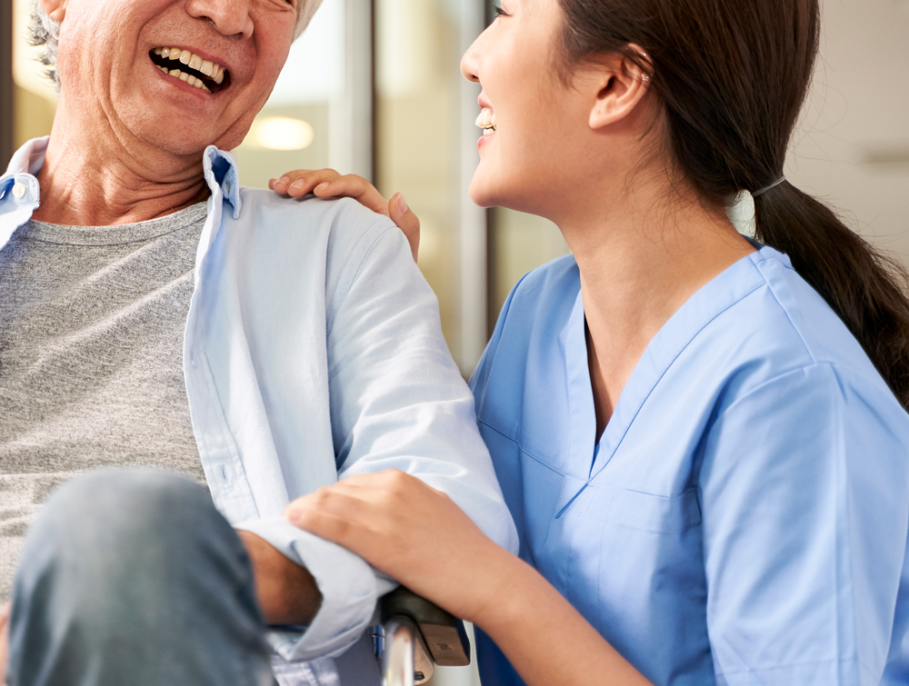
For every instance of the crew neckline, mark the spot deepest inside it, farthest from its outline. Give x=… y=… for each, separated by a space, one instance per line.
x=64 y=234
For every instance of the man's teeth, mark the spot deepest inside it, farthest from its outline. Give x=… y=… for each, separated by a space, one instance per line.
x=487 y=120
x=214 y=71
x=188 y=78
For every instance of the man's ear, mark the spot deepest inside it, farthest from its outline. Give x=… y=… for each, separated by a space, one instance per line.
x=622 y=85
x=54 y=9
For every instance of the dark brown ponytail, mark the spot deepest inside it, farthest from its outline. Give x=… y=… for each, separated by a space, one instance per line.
x=860 y=284
x=733 y=77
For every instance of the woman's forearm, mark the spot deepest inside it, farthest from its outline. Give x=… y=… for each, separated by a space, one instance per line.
x=544 y=637
x=468 y=574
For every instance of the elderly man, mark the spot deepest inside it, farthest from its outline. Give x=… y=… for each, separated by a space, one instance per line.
x=157 y=318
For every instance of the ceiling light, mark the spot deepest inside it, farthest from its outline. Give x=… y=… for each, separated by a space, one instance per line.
x=283 y=133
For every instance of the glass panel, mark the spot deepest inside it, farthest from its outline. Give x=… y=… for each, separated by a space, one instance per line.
x=417 y=134
x=294 y=130
x=519 y=243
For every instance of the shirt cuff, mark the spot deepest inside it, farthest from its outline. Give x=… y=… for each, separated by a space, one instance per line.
x=350 y=588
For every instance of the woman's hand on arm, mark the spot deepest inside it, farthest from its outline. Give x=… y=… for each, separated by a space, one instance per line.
x=327 y=183
x=410 y=531
x=420 y=537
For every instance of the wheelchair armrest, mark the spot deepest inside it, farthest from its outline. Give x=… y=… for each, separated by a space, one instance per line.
x=443 y=633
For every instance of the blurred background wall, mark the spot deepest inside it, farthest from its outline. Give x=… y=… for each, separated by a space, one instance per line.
x=374 y=87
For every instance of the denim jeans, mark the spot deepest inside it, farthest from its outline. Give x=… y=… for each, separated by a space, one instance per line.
x=132 y=577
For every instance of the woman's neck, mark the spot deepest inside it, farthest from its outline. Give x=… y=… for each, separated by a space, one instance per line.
x=640 y=261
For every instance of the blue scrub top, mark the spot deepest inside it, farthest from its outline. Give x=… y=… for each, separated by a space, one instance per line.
x=743 y=518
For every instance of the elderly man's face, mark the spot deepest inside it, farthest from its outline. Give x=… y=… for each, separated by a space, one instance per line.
x=114 y=69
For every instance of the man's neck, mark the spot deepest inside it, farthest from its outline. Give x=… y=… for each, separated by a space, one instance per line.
x=87 y=181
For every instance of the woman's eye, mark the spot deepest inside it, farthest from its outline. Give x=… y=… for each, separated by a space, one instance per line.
x=499 y=11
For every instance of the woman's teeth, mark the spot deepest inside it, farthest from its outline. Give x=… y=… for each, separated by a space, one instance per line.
x=180 y=57
x=487 y=121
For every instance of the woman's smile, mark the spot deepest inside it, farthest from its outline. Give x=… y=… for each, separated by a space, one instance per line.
x=487 y=122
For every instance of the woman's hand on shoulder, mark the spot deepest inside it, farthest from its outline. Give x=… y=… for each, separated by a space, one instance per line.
x=327 y=183
x=412 y=532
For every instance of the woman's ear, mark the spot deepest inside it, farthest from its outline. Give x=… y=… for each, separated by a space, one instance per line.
x=622 y=84
x=54 y=9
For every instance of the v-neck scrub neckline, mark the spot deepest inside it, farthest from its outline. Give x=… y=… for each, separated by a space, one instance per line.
x=743 y=516
x=708 y=302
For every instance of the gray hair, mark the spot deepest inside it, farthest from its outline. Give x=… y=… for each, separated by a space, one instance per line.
x=305 y=15
x=44 y=31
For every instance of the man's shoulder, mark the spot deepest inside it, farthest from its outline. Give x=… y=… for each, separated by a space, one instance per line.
x=314 y=236
x=342 y=219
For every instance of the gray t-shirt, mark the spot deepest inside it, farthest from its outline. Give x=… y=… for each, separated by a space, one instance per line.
x=91 y=358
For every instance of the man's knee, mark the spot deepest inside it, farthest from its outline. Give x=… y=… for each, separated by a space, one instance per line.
x=119 y=509
x=124 y=533
x=123 y=490
x=134 y=570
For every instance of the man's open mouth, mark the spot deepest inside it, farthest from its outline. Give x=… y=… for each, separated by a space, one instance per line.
x=189 y=67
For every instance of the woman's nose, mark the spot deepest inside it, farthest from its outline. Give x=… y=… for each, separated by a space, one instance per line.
x=470 y=62
x=229 y=17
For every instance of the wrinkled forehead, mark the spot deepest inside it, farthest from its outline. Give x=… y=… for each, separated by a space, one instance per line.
x=305 y=10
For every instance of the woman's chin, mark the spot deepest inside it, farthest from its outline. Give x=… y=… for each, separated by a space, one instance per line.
x=484 y=192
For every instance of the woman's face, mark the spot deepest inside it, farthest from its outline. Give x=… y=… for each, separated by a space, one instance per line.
x=540 y=124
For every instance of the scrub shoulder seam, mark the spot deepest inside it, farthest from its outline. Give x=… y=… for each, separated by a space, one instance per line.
x=795 y=328
x=776 y=378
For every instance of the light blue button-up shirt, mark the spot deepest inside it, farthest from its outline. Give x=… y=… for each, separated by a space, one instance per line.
x=312 y=351
x=743 y=518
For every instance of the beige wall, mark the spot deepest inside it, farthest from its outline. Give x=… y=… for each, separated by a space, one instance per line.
x=34 y=115
x=853 y=146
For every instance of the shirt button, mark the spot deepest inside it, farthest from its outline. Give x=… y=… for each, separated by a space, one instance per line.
x=227 y=187
x=19 y=190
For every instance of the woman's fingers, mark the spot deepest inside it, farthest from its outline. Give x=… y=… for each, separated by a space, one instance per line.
x=406 y=220
x=408 y=530
x=300 y=182
x=352 y=186
x=328 y=523
x=360 y=498
x=327 y=183
x=354 y=511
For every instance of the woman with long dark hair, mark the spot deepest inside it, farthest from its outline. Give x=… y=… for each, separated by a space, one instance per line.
x=702 y=438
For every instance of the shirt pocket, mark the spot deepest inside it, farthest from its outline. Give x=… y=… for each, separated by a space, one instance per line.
x=636 y=573
x=643 y=511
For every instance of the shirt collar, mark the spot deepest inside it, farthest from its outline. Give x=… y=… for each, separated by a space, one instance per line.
x=20 y=186
x=222 y=176
x=29 y=158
